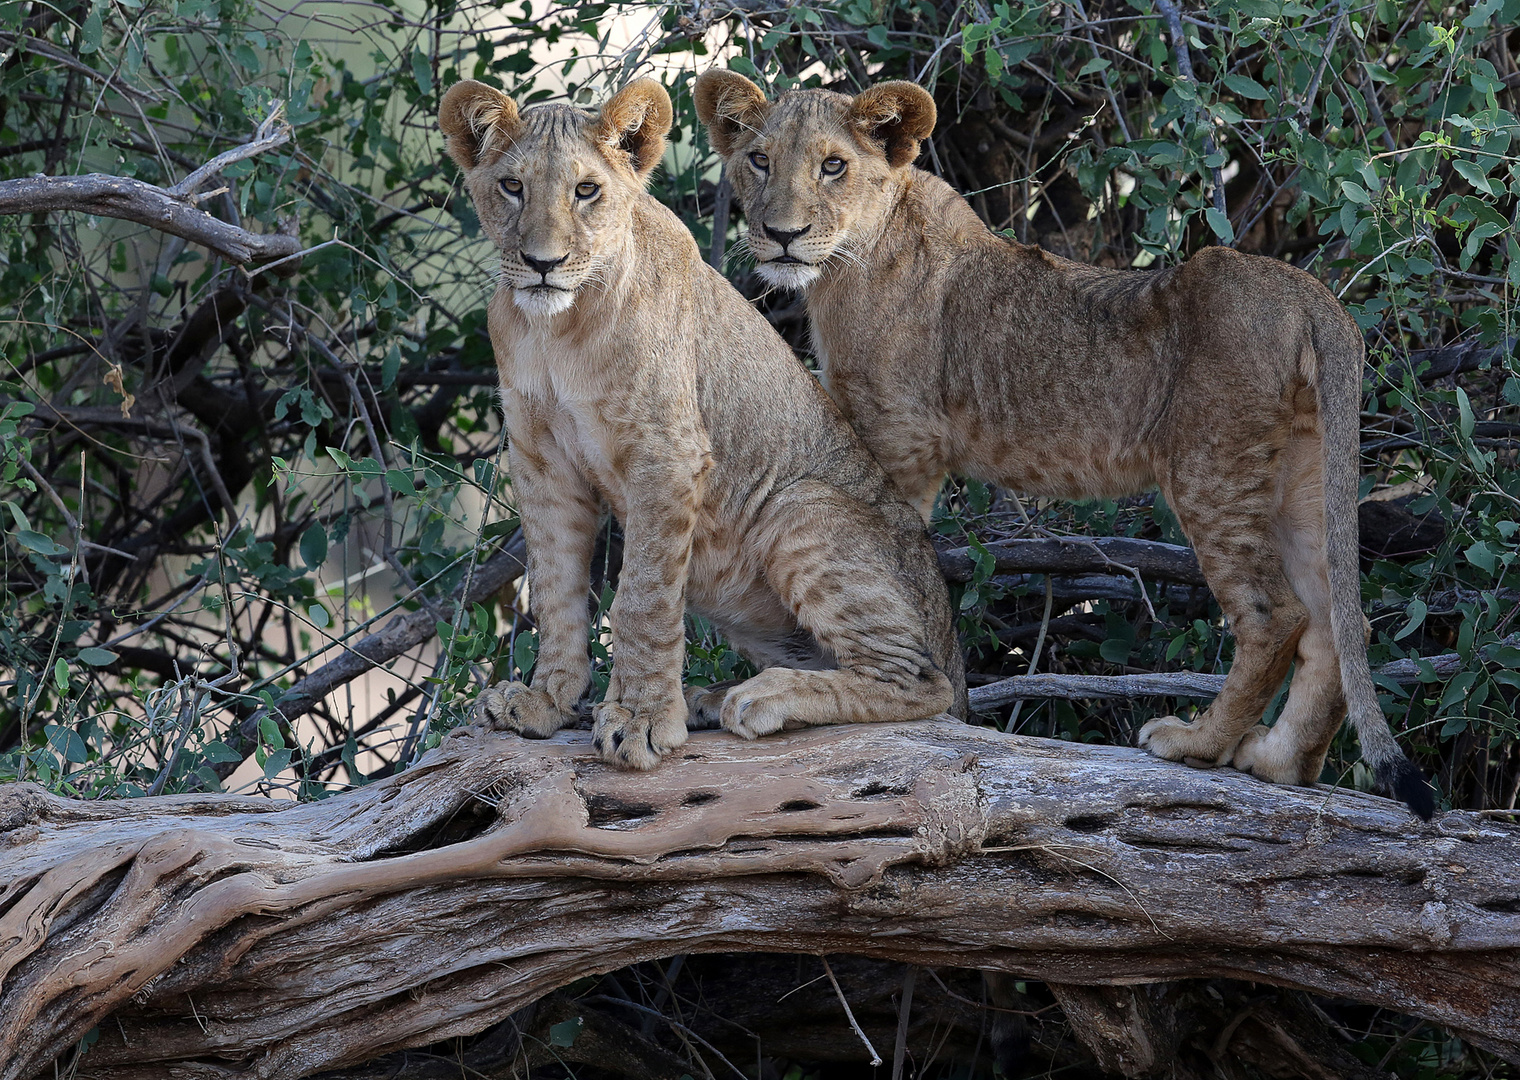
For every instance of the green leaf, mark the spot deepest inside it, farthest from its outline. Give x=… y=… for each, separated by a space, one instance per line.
x=1416 y=611
x=219 y=753
x=1097 y=63
x=566 y=1032
x=389 y=368
x=525 y=653
x=319 y=616
x=400 y=482
x=1506 y=655
x=1474 y=175
x=276 y=763
x=1356 y=193
x=269 y=732
x=61 y=676
x=1220 y=224
x=877 y=36
x=1465 y=422
x=67 y=743
x=95 y=656
x=42 y=545
x=1247 y=87
x=1482 y=556
x=90 y=33
x=422 y=71
x=314 y=546
x=1115 y=650
x=1458 y=689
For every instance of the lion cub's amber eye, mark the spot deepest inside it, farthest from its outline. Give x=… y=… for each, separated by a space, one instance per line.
x=585 y=189
x=833 y=166
x=760 y=161
x=510 y=185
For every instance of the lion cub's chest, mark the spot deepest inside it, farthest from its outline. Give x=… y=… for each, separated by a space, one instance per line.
x=553 y=397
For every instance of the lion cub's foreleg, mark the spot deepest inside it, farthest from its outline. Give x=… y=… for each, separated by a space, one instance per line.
x=845 y=590
x=559 y=520
x=643 y=716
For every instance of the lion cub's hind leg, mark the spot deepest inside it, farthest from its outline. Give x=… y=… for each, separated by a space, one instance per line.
x=846 y=591
x=1292 y=751
x=1224 y=498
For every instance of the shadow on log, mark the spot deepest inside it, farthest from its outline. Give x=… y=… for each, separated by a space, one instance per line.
x=238 y=937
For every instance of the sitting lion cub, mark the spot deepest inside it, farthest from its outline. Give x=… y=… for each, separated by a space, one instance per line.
x=633 y=374
x=1232 y=382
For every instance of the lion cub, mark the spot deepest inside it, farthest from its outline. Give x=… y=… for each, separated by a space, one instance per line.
x=633 y=374
x=1232 y=382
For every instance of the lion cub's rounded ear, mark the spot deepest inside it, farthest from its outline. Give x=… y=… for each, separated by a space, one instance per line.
x=898 y=115
x=728 y=105
x=635 y=121
x=475 y=119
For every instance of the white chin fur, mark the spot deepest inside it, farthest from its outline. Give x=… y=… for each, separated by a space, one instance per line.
x=796 y=276
x=539 y=304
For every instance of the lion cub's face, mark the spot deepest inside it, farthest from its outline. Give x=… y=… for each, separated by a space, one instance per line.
x=813 y=170
x=555 y=186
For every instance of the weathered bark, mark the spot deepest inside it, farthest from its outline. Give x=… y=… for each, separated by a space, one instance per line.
x=1080 y=555
x=244 y=937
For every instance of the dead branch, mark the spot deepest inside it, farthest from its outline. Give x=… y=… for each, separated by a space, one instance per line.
x=1190 y=684
x=146 y=204
x=1080 y=555
x=242 y=937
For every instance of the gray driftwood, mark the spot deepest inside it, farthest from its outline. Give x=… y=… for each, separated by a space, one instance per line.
x=218 y=936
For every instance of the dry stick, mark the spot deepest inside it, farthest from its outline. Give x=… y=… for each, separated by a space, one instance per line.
x=721 y=205
x=875 y=1057
x=1039 y=644
x=904 y=1010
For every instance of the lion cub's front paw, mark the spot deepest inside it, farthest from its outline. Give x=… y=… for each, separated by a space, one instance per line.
x=1175 y=739
x=515 y=707
x=636 y=739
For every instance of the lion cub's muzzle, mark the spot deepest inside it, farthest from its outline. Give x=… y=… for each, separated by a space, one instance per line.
x=543 y=286
x=789 y=258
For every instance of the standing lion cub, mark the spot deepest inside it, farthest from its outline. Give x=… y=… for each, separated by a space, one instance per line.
x=633 y=374
x=1232 y=382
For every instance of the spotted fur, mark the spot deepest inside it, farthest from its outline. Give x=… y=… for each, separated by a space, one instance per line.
x=1232 y=382
x=634 y=376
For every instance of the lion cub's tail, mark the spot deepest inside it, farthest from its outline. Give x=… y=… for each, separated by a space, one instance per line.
x=1340 y=356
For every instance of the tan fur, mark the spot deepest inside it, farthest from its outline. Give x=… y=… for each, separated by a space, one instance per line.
x=633 y=375
x=1231 y=382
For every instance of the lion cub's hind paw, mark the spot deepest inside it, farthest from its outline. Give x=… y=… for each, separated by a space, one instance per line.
x=704 y=705
x=755 y=708
x=516 y=707
x=1267 y=758
x=1175 y=739
x=629 y=740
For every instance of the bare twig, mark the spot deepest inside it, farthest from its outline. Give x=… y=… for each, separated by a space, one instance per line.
x=854 y=1024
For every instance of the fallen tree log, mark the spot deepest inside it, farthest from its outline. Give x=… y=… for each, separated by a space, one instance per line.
x=236 y=937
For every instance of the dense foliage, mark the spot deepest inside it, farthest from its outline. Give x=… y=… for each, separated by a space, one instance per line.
x=217 y=478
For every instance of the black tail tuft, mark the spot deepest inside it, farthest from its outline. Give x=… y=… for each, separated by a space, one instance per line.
x=1403 y=780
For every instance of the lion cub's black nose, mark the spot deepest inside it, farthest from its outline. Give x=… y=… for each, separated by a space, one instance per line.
x=785 y=236
x=542 y=266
